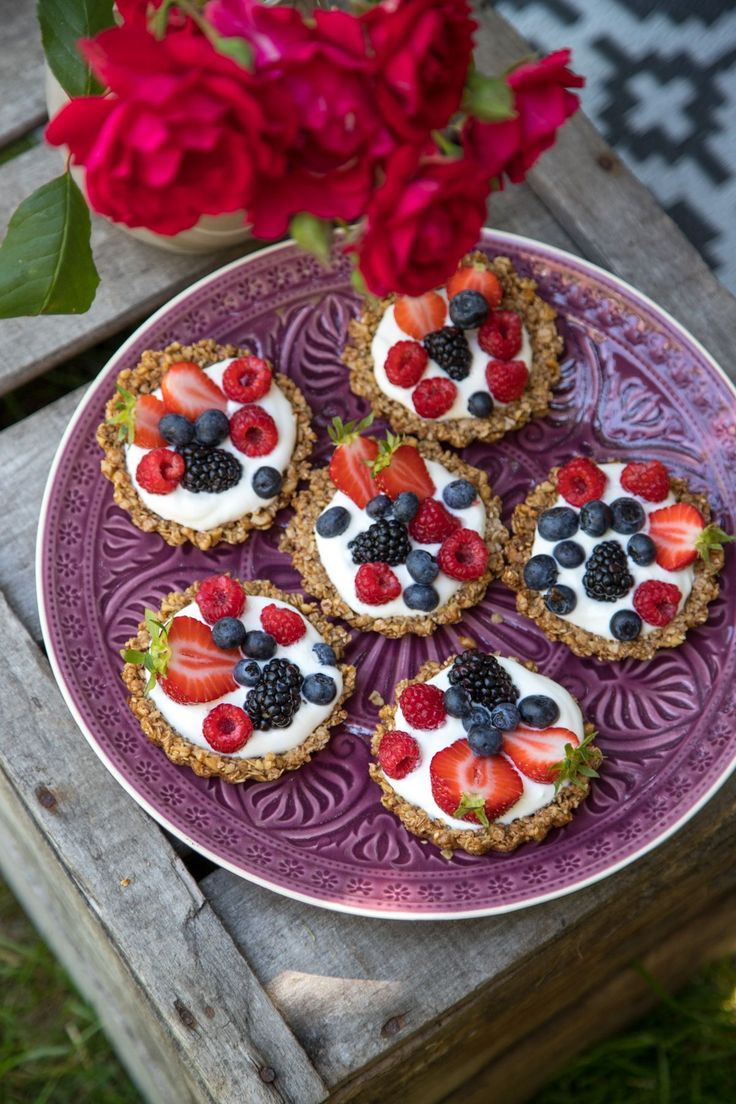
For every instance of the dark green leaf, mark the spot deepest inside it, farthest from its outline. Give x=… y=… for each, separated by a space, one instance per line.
x=63 y=23
x=236 y=48
x=312 y=233
x=488 y=98
x=46 y=264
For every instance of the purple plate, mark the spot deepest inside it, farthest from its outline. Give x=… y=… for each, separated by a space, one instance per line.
x=633 y=382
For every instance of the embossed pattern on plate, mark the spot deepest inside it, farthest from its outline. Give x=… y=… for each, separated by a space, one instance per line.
x=632 y=381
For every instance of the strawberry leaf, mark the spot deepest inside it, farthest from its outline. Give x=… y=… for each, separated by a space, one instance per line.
x=712 y=539
x=473 y=803
x=124 y=416
x=578 y=763
x=344 y=433
x=156 y=659
x=386 y=450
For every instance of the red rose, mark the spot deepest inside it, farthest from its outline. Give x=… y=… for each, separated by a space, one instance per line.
x=183 y=134
x=422 y=52
x=542 y=103
x=420 y=223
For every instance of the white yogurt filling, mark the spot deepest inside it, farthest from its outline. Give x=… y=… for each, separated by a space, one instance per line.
x=187 y=720
x=593 y=615
x=416 y=787
x=207 y=510
x=389 y=332
x=338 y=562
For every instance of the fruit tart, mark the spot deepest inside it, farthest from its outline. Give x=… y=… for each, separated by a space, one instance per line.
x=237 y=679
x=204 y=442
x=395 y=535
x=615 y=559
x=467 y=362
x=482 y=753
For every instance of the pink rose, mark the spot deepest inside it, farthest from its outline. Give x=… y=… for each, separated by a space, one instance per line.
x=420 y=223
x=542 y=103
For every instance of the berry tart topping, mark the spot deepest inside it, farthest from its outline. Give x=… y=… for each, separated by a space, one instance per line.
x=476 y=788
x=505 y=716
x=333 y=521
x=580 y=480
x=423 y=705
x=641 y=549
x=596 y=518
x=147 y=415
x=507 y=379
x=276 y=697
x=177 y=429
x=433 y=397
x=246 y=672
x=657 y=602
x=577 y=764
x=398 y=754
x=476 y=277
x=319 y=689
x=628 y=515
x=286 y=626
x=211 y=428
x=459 y=494
x=419 y=316
x=197 y=669
x=557 y=523
x=539 y=753
x=379 y=507
x=463 y=555
x=539 y=711
x=648 y=479
x=226 y=728
x=188 y=390
x=560 y=599
x=483 y=677
x=259 y=645
x=211 y=470
x=405 y=363
x=160 y=471
x=419 y=596
x=606 y=577
x=376 y=584
x=540 y=572
x=350 y=464
x=501 y=335
x=384 y=541
x=480 y=405
x=228 y=632
x=468 y=309
x=625 y=625
x=449 y=348
x=432 y=523
x=458 y=702
x=484 y=739
x=405 y=506
x=247 y=379
x=253 y=431
x=400 y=467
x=680 y=535
x=220 y=596
x=569 y=553
x=267 y=482
x=325 y=654
x=422 y=566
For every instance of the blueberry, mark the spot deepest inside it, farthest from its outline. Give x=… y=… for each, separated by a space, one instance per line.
x=211 y=427
x=379 y=506
x=625 y=625
x=558 y=524
x=333 y=522
x=422 y=566
x=406 y=505
x=484 y=740
x=325 y=655
x=319 y=689
x=458 y=702
x=560 y=599
x=459 y=494
x=628 y=515
x=505 y=716
x=480 y=404
x=267 y=482
x=468 y=309
x=478 y=715
x=419 y=596
x=259 y=645
x=595 y=518
x=569 y=553
x=540 y=572
x=246 y=672
x=539 y=711
x=177 y=429
x=228 y=632
x=642 y=549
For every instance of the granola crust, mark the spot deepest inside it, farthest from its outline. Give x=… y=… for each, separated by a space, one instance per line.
x=580 y=641
x=300 y=543
x=498 y=837
x=539 y=319
x=146 y=377
x=206 y=762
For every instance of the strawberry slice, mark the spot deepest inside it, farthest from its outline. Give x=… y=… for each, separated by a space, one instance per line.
x=472 y=787
x=350 y=466
x=189 y=391
x=197 y=670
x=536 y=752
x=680 y=535
x=421 y=315
x=401 y=468
x=147 y=414
x=476 y=277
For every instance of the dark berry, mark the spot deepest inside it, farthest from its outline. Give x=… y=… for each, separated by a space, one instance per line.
x=480 y=404
x=628 y=515
x=325 y=654
x=228 y=632
x=569 y=553
x=558 y=524
x=267 y=482
x=468 y=309
x=540 y=572
x=483 y=677
x=276 y=697
x=458 y=702
x=177 y=429
x=449 y=348
x=211 y=427
x=642 y=549
x=484 y=740
x=422 y=566
x=560 y=599
x=625 y=625
x=477 y=715
x=420 y=596
x=246 y=672
x=459 y=494
x=607 y=577
x=595 y=518
x=382 y=542
x=210 y=470
x=406 y=505
x=539 y=711
x=319 y=689
x=333 y=522
x=379 y=506
x=505 y=716
x=259 y=645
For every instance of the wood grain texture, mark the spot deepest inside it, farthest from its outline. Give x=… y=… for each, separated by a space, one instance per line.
x=22 y=100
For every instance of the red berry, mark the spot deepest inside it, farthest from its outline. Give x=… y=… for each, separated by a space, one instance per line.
x=500 y=335
x=676 y=531
x=398 y=754
x=405 y=363
x=420 y=315
x=220 y=596
x=580 y=480
x=476 y=277
x=350 y=465
x=432 y=522
x=376 y=584
x=433 y=397
x=405 y=471
x=253 y=431
x=160 y=471
x=657 y=602
x=423 y=705
x=226 y=728
x=463 y=555
x=248 y=378
x=286 y=626
x=147 y=414
x=477 y=788
x=537 y=752
x=648 y=479
x=188 y=390
x=197 y=671
x=506 y=379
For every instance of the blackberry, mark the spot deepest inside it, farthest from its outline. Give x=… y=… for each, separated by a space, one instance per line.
x=449 y=348
x=276 y=697
x=607 y=577
x=209 y=469
x=483 y=677
x=383 y=542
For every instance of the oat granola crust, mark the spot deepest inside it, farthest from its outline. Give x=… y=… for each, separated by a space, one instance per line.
x=498 y=837
x=580 y=641
x=299 y=541
x=206 y=762
x=145 y=378
x=539 y=319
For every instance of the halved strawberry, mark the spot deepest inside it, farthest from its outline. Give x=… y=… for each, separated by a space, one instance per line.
x=476 y=277
x=680 y=535
x=189 y=391
x=147 y=414
x=401 y=468
x=536 y=752
x=197 y=670
x=472 y=787
x=350 y=466
x=421 y=315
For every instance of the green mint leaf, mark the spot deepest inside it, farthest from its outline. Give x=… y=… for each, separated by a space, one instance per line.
x=313 y=234
x=63 y=23
x=488 y=98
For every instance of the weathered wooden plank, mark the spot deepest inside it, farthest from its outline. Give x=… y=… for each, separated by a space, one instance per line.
x=188 y=1016
x=22 y=100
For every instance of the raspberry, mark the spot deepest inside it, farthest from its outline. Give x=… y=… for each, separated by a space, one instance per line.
x=432 y=522
x=376 y=584
x=580 y=480
x=226 y=728
x=423 y=705
x=500 y=334
x=648 y=479
x=248 y=378
x=220 y=596
x=463 y=555
x=433 y=396
x=398 y=754
x=253 y=431
x=506 y=379
x=285 y=626
x=405 y=363
x=160 y=471
x=656 y=602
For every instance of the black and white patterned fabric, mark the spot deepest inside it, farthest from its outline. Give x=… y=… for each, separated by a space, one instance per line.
x=661 y=87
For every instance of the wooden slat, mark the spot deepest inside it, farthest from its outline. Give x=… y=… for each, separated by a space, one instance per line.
x=22 y=102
